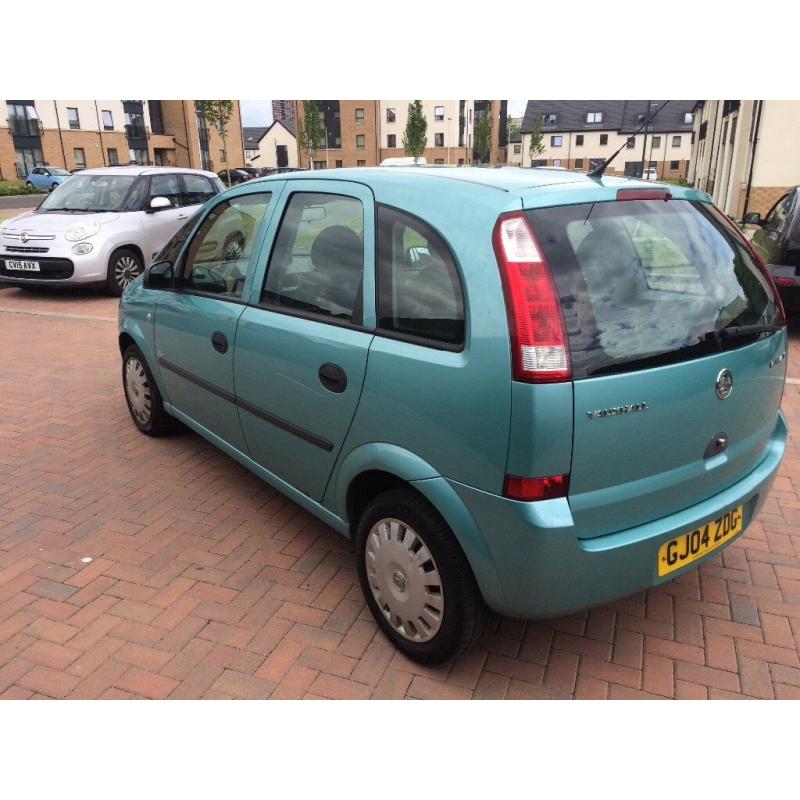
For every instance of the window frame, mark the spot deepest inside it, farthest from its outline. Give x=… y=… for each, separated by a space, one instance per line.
x=180 y=263
x=360 y=121
x=109 y=151
x=560 y=141
x=437 y=138
x=393 y=117
x=408 y=338
x=594 y=117
x=106 y=126
x=391 y=141
x=363 y=145
x=82 y=151
x=603 y=140
x=676 y=141
x=77 y=125
x=438 y=116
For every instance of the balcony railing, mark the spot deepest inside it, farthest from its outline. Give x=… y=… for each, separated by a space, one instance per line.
x=23 y=126
x=136 y=131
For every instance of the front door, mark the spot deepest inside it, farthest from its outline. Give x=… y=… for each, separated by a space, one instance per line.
x=195 y=325
x=301 y=346
x=159 y=225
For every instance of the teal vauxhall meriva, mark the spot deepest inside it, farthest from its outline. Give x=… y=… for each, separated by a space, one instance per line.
x=525 y=390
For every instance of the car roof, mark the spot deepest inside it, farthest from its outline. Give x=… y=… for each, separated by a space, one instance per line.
x=499 y=187
x=136 y=169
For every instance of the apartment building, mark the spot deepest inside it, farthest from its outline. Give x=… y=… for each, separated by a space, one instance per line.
x=77 y=134
x=283 y=109
x=746 y=152
x=364 y=132
x=580 y=134
x=277 y=145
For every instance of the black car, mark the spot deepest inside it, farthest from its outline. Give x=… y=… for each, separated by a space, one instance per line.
x=233 y=177
x=777 y=242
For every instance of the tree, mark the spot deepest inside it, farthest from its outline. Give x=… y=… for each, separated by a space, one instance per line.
x=512 y=128
x=536 y=147
x=415 y=136
x=310 y=131
x=483 y=137
x=219 y=113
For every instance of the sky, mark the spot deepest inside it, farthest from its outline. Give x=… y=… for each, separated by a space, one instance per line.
x=258 y=113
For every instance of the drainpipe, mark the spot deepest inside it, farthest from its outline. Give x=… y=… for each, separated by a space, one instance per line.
x=752 y=157
x=100 y=134
x=60 y=137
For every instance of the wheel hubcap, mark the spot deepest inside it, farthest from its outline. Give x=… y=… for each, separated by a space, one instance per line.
x=137 y=390
x=125 y=270
x=404 y=580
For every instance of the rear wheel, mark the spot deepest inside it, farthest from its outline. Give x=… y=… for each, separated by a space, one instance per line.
x=28 y=185
x=142 y=396
x=53 y=186
x=124 y=266
x=416 y=580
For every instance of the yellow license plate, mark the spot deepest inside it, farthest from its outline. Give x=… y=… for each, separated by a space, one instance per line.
x=688 y=547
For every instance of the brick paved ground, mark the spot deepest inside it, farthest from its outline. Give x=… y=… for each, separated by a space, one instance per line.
x=204 y=582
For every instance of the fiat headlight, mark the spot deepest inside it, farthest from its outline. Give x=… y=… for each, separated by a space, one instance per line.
x=78 y=233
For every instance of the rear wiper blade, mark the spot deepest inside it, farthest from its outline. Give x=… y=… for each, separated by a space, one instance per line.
x=733 y=331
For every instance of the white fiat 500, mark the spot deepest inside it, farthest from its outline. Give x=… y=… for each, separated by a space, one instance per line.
x=101 y=227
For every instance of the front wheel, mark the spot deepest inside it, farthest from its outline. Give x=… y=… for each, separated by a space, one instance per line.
x=53 y=186
x=142 y=396
x=124 y=267
x=28 y=185
x=416 y=580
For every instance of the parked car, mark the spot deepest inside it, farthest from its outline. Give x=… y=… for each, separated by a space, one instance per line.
x=233 y=177
x=46 y=178
x=102 y=226
x=279 y=170
x=777 y=241
x=522 y=389
x=650 y=174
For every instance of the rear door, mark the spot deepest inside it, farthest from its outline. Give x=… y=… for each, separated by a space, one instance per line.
x=646 y=286
x=302 y=344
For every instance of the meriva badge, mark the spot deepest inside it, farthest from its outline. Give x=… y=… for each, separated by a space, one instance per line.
x=617 y=411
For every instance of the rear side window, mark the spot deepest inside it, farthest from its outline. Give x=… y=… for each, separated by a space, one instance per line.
x=196 y=189
x=220 y=254
x=419 y=291
x=647 y=282
x=317 y=264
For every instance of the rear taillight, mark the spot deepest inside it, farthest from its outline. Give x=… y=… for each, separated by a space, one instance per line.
x=536 y=488
x=540 y=353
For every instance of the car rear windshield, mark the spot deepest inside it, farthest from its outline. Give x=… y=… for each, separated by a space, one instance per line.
x=649 y=282
x=89 y=193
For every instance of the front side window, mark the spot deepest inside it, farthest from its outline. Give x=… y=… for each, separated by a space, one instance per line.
x=74 y=119
x=317 y=263
x=172 y=249
x=555 y=141
x=419 y=290
x=79 y=155
x=361 y=142
x=91 y=193
x=222 y=250
x=108 y=120
x=648 y=282
x=196 y=189
x=168 y=186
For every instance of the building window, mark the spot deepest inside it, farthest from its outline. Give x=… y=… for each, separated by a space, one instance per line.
x=640 y=118
x=676 y=141
x=460 y=162
x=688 y=118
x=139 y=157
x=438 y=140
x=539 y=162
x=338 y=163
x=361 y=163
x=579 y=140
x=674 y=165
x=359 y=116
x=80 y=157
x=108 y=120
x=556 y=141
x=391 y=140
x=655 y=142
x=578 y=163
x=27 y=159
x=549 y=119
x=113 y=157
x=517 y=149
x=320 y=164
x=594 y=116
x=652 y=164
x=603 y=138
x=74 y=119
x=556 y=162
x=390 y=115
x=631 y=143
x=438 y=161
x=22 y=120
x=223 y=157
x=438 y=113
x=361 y=141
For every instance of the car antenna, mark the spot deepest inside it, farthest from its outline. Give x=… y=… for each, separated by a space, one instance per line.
x=597 y=172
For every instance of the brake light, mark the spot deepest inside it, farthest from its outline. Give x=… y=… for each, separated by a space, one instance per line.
x=529 y=489
x=644 y=194
x=784 y=281
x=540 y=353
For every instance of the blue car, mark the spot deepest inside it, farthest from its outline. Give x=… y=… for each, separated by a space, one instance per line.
x=531 y=391
x=46 y=178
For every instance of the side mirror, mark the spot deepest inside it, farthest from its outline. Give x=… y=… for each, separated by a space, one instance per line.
x=160 y=203
x=159 y=275
x=752 y=218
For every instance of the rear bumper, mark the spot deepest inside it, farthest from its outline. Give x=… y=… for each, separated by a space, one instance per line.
x=544 y=568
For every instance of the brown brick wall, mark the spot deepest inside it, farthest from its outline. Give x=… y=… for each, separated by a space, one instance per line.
x=762 y=198
x=348 y=153
x=8 y=160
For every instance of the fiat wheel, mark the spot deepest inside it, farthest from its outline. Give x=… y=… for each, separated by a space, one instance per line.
x=124 y=267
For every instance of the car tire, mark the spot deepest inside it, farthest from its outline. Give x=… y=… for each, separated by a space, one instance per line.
x=142 y=396
x=124 y=266
x=28 y=185
x=53 y=186
x=410 y=563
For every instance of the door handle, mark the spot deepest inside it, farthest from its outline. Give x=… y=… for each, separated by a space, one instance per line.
x=333 y=378
x=183 y=216
x=220 y=341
